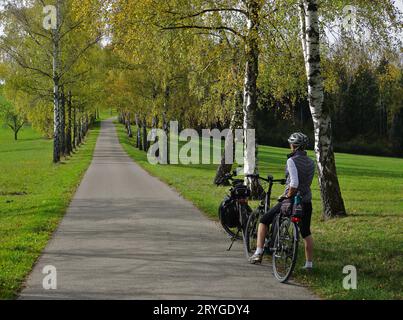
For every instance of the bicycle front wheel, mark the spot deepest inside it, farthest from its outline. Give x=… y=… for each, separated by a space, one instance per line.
x=285 y=249
x=250 y=234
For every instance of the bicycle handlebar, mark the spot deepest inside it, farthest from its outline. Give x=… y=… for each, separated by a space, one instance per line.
x=226 y=177
x=269 y=178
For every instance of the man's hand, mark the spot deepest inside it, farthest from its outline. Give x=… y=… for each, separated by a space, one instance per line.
x=292 y=192
x=281 y=198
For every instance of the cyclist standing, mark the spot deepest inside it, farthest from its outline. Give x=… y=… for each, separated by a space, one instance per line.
x=300 y=170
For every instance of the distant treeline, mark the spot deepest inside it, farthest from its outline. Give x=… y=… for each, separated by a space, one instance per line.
x=366 y=110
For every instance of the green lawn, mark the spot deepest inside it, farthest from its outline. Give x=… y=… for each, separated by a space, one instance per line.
x=370 y=238
x=34 y=194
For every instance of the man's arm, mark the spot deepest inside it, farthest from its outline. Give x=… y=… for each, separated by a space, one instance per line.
x=294 y=182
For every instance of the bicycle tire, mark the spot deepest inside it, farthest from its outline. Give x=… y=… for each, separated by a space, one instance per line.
x=280 y=247
x=250 y=234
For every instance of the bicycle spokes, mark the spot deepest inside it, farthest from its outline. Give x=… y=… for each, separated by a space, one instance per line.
x=285 y=250
x=250 y=234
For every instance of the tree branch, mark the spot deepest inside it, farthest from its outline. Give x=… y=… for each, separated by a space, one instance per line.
x=74 y=60
x=192 y=15
x=20 y=61
x=203 y=28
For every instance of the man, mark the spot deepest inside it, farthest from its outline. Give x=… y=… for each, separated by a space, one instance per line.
x=299 y=174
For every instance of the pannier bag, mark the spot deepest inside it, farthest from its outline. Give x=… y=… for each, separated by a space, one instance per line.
x=228 y=213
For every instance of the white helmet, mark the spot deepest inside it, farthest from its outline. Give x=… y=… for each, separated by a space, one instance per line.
x=299 y=140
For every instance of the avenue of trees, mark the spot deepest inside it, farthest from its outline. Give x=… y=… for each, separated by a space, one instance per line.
x=272 y=66
x=47 y=61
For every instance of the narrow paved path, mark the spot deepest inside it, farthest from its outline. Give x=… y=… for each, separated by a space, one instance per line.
x=127 y=235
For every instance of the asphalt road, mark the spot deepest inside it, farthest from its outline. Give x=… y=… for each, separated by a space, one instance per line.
x=127 y=235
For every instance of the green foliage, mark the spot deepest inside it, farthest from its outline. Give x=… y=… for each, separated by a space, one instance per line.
x=10 y=114
x=28 y=63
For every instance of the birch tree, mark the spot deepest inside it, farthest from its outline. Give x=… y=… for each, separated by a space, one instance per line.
x=48 y=44
x=240 y=19
x=333 y=204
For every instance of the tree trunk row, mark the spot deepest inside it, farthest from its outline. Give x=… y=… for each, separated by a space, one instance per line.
x=141 y=129
x=71 y=126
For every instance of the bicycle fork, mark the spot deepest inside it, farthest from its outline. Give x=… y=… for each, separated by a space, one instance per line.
x=239 y=229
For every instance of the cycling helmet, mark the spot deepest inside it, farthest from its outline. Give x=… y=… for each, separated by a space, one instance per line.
x=299 y=140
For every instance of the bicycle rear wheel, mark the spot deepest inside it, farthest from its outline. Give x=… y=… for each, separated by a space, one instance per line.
x=285 y=249
x=233 y=232
x=250 y=234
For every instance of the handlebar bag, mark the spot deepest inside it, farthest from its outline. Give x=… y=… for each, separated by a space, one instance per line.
x=240 y=191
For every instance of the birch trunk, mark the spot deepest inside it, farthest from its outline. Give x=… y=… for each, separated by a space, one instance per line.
x=154 y=137
x=68 y=129
x=165 y=125
x=87 y=123
x=236 y=122
x=56 y=75
x=56 y=123
x=250 y=95
x=128 y=126
x=81 y=129
x=138 y=135
x=62 y=123
x=74 y=127
x=145 y=143
x=332 y=200
x=78 y=132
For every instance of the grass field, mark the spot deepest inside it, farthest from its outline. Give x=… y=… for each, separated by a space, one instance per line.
x=370 y=238
x=34 y=194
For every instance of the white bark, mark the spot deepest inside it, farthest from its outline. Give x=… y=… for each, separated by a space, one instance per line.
x=331 y=196
x=56 y=89
x=250 y=95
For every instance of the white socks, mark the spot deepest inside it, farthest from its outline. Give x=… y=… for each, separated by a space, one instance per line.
x=259 y=251
x=308 y=264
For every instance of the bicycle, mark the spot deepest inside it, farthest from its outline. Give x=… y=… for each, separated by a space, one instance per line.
x=281 y=239
x=237 y=201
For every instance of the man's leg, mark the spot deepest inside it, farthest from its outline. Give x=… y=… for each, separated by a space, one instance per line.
x=261 y=235
x=305 y=228
x=308 y=242
x=265 y=221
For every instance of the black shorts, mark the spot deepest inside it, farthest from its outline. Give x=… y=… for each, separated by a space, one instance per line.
x=305 y=223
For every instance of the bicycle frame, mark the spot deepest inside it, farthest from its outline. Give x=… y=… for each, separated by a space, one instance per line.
x=283 y=229
x=267 y=203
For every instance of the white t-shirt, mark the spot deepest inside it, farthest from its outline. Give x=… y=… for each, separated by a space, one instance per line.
x=293 y=172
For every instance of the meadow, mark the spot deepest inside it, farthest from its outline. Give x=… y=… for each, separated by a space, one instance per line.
x=34 y=195
x=369 y=238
